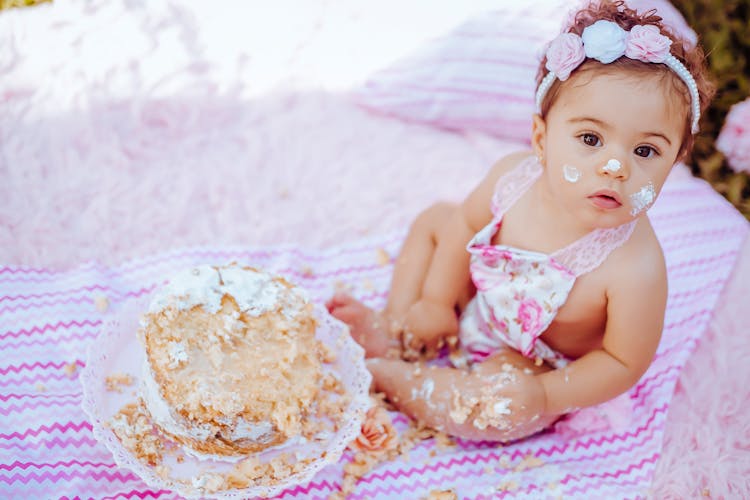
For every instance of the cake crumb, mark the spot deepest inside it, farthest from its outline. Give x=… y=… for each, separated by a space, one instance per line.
x=442 y=495
x=40 y=387
x=133 y=427
x=507 y=486
x=529 y=463
x=443 y=440
x=70 y=369
x=706 y=492
x=382 y=257
x=341 y=286
x=116 y=381
x=307 y=272
x=101 y=303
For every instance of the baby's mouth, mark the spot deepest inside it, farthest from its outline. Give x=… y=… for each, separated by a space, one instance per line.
x=606 y=199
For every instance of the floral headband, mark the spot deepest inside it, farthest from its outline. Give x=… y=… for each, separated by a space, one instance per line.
x=606 y=41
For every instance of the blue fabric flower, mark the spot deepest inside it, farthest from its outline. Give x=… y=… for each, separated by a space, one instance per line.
x=604 y=41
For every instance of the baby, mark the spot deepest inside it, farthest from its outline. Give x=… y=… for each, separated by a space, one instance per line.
x=548 y=278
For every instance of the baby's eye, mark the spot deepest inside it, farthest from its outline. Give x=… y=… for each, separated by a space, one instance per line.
x=645 y=151
x=590 y=140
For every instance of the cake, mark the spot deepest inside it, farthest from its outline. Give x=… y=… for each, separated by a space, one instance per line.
x=232 y=365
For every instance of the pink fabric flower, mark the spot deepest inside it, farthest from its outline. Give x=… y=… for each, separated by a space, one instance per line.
x=529 y=314
x=647 y=44
x=564 y=55
x=734 y=139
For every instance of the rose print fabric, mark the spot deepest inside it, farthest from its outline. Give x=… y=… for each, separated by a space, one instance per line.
x=519 y=291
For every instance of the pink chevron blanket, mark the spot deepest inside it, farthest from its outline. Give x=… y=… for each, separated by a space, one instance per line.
x=131 y=129
x=49 y=317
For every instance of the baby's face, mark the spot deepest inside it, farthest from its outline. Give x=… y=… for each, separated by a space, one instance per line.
x=609 y=143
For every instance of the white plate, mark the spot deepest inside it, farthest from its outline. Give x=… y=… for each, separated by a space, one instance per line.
x=116 y=350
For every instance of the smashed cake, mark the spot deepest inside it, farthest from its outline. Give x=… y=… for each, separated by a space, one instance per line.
x=232 y=364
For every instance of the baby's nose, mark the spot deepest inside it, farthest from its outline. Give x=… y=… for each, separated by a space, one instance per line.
x=614 y=168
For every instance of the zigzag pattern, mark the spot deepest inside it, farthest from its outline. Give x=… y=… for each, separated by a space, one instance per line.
x=55 y=442
x=92 y=288
x=42 y=304
x=68 y=475
x=35 y=365
x=8 y=397
x=62 y=339
x=23 y=270
x=50 y=327
x=42 y=465
x=137 y=494
x=637 y=480
x=35 y=379
x=310 y=487
x=57 y=426
x=41 y=404
x=692 y=265
x=606 y=479
x=391 y=477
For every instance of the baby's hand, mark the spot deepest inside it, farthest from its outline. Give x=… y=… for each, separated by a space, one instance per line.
x=525 y=394
x=427 y=324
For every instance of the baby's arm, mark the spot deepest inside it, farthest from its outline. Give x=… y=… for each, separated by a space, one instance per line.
x=433 y=317
x=636 y=302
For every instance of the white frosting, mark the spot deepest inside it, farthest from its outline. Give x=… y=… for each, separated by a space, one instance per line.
x=502 y=407
x=255 y=292
x=642 y=199
x=612 y=166
x=260 y=432
x=424 y=392
x=159 y=409
x=571 y=174
x=177 y=354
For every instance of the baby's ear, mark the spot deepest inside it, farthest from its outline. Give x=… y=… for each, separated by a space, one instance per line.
x=538 y=136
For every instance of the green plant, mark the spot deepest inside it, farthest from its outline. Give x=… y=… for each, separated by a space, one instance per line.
x=723 y=28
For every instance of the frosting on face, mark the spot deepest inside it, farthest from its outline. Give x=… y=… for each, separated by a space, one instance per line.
x=571 y=174
x=642 y=199
x=612 y=166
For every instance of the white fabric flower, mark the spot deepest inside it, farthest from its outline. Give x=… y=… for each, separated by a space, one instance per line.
x=604 y=41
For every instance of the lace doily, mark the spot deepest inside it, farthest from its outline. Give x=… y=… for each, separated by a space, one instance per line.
x=116 y=351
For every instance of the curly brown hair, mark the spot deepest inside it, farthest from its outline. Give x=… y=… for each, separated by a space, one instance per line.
x=691 y=56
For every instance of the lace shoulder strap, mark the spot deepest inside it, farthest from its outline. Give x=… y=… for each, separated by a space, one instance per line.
x=511 y=186
x=587 y=253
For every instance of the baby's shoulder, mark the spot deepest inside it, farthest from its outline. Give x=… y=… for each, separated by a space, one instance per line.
x=507 y=163
x=640 y=260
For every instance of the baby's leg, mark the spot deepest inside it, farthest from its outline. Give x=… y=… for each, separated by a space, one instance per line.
x=378 y=332
x=463 y=403
x=413 y=262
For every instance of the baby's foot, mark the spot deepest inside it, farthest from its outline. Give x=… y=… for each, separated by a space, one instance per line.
x=367 y=327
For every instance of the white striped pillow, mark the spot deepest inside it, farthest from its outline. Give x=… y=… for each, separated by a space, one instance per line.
x=481 y=76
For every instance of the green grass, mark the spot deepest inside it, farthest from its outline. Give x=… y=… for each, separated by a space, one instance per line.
x=7 y=4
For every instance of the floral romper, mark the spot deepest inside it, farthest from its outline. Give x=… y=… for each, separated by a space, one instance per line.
x=519 y=291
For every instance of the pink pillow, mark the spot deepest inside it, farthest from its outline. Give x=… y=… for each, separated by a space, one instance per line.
x=481 y=76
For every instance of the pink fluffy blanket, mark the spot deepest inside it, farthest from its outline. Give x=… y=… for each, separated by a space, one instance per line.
x=114 y=150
